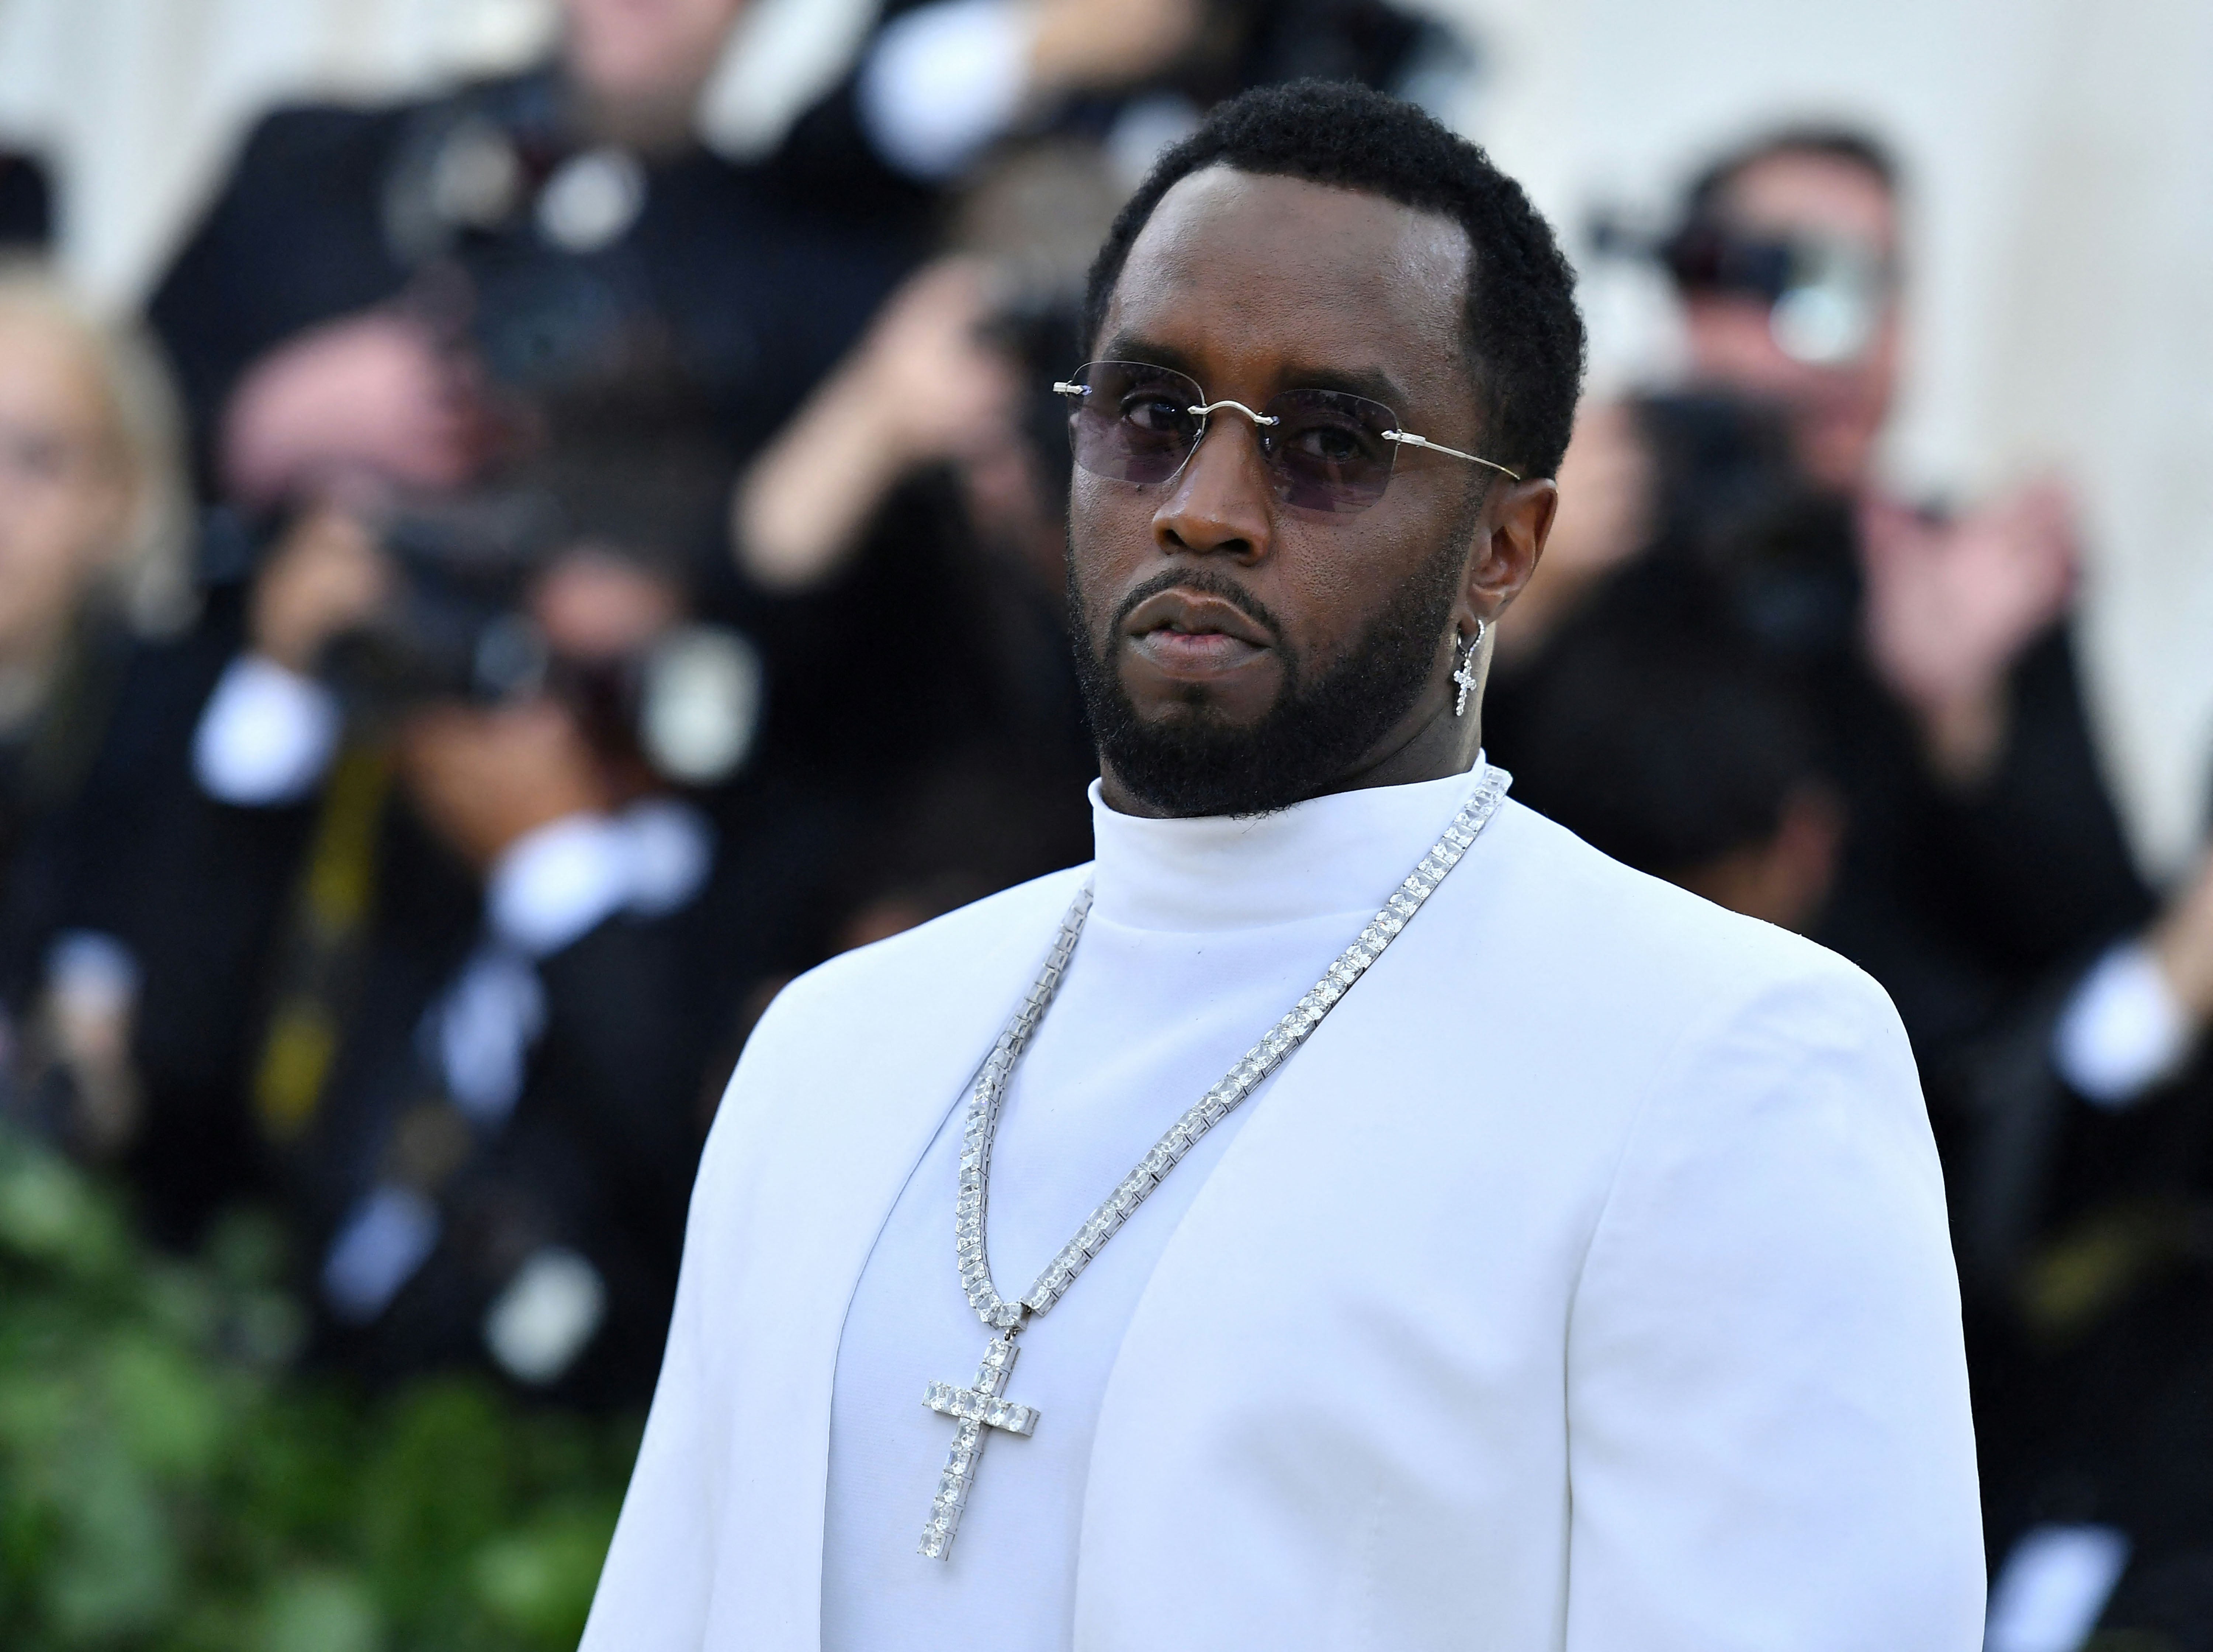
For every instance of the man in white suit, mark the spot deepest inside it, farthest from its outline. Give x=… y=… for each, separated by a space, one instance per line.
x=1416 y=1230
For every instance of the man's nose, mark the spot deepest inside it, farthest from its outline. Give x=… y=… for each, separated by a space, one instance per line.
x=1219 y=504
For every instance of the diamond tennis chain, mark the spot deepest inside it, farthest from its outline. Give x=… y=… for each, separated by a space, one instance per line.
x=984 y=1405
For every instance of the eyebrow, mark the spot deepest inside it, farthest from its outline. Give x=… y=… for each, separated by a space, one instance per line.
x=1128 y=347
x=1372 y=382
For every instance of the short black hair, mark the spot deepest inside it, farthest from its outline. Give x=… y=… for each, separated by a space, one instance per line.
x=1664 y=751
x=1525 y=336
x=1852 y=146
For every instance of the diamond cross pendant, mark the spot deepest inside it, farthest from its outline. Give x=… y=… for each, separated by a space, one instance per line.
x=974 y=1410
x=1467 y=680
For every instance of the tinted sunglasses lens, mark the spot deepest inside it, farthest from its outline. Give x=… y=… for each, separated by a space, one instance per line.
x=1327 y=451
x=1133 y=422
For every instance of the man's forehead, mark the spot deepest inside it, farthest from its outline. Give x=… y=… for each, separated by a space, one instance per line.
x=1282 y=262
x=1802 y=190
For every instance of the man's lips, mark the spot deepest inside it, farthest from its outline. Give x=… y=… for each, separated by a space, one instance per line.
x=1184 y=634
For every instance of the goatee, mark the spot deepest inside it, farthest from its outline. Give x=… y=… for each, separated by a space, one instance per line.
x=1323 y=721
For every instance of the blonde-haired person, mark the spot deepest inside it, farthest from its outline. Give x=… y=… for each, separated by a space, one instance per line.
x=94 y=507
x=94 y=539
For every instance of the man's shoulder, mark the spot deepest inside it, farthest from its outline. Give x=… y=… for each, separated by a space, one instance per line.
x=1690 y=1016
x=1624 y=931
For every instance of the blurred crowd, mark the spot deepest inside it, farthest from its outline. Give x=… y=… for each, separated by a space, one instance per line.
x=531 y=584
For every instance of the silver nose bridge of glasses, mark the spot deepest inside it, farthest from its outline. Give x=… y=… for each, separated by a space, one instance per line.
x=1258 y=419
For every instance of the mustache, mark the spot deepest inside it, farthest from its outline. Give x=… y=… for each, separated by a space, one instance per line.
x=1206 y=582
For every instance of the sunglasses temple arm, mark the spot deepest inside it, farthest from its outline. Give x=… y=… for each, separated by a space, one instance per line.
x=1413 y=441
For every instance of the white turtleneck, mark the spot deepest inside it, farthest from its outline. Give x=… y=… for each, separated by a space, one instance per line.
x=1202 y=933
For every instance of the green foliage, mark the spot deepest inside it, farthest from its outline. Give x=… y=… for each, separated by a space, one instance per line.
x=167 y=1483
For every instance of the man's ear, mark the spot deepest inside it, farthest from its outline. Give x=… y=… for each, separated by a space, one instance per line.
x=1516 y=521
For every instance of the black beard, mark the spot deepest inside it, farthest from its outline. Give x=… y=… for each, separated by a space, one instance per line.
x=1320 y=725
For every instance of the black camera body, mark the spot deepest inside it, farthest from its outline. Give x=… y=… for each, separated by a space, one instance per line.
x=460 y=629
x=457 y=629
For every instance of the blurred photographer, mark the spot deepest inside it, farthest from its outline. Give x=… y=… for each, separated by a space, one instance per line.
x=1983 y=852
x=393 y=293
x=2004 y=861
x=476 y=870
x=1789 y=261
x=94 y=528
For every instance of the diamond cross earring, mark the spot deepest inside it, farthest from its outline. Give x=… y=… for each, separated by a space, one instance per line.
x=1466 y=676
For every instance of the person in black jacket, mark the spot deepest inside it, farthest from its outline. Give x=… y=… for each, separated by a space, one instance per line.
x=390 y=292
x=1983 y=850
x=411 y=313
x=95 y=680
x=473 y=873
x=2084 y=1213
x=1987 y=850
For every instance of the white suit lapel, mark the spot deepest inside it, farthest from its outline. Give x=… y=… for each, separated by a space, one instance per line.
x=810 y=1183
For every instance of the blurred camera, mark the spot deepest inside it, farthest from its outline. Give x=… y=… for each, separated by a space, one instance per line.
x=459 y=628
x=1825 y=295
x=456 y=629
x=1735 y=510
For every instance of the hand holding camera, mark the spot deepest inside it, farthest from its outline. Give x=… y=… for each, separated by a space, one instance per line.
x=925 y=384
x=369 y=400
x=325 y=577
x=1951 y=605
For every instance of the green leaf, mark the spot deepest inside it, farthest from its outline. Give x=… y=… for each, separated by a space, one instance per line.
x=169 y=1483
x=320 y=1611
x=48 y=1214
x=168 y=1410
x=538 y=1584
x=115 y=1569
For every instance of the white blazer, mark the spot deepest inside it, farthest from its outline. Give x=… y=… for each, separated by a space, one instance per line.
x=1584 y=1284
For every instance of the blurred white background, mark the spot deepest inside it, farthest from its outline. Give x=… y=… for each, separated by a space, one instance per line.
x=2060 y=166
